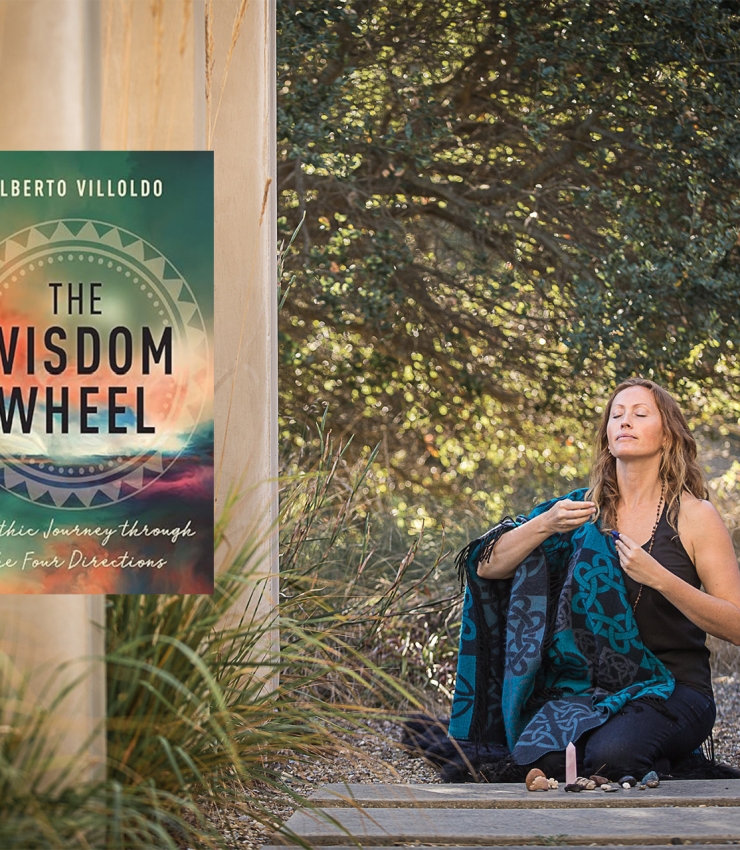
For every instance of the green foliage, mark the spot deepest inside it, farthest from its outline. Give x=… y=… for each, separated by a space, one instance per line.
x=208 y=697
x=354 y=574
x=203 y=704
x=508 y=206
x=45 y=801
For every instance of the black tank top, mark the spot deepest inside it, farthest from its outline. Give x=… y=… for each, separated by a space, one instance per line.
x=665 y=631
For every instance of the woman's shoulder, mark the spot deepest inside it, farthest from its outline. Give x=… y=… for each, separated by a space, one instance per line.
x=707 y=541
x=697 y=511
x=698 y=518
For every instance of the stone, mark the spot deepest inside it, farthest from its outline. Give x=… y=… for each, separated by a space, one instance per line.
x=571 y=770
x=652 y=776
x=533 y=774
x=573 y=786
x=628 y=780
x=553 y=783
x=539 y=783
x=599 y=780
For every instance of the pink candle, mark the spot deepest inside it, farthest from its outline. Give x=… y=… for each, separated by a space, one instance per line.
x=571 y=771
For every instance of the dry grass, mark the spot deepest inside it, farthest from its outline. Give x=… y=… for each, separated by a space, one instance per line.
x=725 y=658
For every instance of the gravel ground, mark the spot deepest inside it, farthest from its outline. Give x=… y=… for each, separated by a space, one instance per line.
x=371 y=756
x=374 y=756
x=727 y=725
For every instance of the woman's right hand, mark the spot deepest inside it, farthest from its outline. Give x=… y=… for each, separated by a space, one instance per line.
x=514 y=546
x=567 y=514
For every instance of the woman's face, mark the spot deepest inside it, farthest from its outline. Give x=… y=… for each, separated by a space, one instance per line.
x=635 y=426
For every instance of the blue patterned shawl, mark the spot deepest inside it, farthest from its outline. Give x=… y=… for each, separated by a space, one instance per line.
x=552 y=652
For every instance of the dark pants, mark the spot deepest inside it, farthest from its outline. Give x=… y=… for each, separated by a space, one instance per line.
x=641 y=738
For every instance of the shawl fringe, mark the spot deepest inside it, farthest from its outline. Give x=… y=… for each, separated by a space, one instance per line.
x=468 y=558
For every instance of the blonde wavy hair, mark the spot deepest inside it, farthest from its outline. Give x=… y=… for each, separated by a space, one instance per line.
x=679 y=469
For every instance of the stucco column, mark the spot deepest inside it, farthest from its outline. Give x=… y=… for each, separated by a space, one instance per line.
x=240 y=125
x=128 y=74
x=48 y=67
x=150 y=83
x=200 y=74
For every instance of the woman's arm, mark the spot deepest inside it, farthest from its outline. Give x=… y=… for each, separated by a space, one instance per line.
x=716 y=611
x=514 y=546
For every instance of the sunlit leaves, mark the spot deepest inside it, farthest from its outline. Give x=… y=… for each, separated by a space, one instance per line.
x=508 y=207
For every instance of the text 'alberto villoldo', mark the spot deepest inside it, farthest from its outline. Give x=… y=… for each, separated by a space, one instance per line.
x=49 y=187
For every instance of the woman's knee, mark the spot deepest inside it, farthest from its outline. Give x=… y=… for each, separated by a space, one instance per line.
x=604 y=760
x=613 y=756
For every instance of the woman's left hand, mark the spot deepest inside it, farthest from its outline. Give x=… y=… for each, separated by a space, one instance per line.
x=637 y=563
x=716 y=609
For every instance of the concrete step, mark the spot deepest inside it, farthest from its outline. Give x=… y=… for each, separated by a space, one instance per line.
x=706 y=792
x=332 y=826
x=725 y=846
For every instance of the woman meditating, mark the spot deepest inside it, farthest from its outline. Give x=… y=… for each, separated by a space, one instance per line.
x=586 y=621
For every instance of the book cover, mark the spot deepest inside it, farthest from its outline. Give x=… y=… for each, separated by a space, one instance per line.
x=106 y=372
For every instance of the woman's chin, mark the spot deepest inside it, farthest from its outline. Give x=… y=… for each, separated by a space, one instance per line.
x=630 y=453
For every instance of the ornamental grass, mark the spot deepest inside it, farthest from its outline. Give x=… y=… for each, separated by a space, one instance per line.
x=203 y=708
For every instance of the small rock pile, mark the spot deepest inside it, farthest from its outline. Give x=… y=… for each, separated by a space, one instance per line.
x=537 y=781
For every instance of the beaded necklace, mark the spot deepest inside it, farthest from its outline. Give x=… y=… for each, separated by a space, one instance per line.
x=652 y=540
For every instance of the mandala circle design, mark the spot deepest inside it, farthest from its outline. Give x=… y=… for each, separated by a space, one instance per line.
x=140 y=288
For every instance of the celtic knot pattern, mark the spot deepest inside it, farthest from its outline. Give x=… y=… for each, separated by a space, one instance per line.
x=524 y=632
